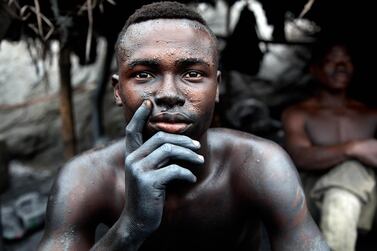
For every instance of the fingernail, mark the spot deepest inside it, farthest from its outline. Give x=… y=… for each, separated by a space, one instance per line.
x=201 y=157
x=196 y=143
x=147 y=103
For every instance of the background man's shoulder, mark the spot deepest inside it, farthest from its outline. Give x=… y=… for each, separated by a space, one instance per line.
x=302 y=107
x=363 y=107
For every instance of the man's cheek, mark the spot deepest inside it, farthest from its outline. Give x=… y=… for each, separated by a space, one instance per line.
x=130 y=109
x=199 y=103
x=203 y=113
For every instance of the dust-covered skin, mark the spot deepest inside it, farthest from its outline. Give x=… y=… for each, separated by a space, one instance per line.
x=174 y=184
x=162 y=63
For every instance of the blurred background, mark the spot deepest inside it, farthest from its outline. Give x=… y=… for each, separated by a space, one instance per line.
x=56 y=101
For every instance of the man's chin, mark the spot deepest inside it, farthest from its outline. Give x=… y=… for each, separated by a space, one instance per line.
x=337 y=86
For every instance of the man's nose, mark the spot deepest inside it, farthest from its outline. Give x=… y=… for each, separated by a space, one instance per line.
x=169 y=94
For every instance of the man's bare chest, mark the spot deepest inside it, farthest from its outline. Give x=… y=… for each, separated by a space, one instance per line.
x=334 y=127
x=211 y=222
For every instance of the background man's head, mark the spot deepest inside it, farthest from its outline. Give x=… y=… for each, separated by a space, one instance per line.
x=168 y=55
x=332 y=64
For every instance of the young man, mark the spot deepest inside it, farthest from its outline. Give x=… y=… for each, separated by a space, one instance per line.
x=174 y=184
x=331 y=139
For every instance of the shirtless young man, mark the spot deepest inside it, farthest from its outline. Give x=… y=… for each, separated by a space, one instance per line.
x=174 y=184
x=331 y=139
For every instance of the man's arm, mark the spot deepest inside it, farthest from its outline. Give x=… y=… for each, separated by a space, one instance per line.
x=365 y=151
x=70 y=222
x=74 y=211
x=306 y=155
x=281 y=202
x=310 y=157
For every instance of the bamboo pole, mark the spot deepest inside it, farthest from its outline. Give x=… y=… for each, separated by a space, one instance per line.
x=66 y=107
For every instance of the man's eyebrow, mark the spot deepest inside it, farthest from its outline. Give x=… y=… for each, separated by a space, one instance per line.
x=143 y=62
x=191 y=61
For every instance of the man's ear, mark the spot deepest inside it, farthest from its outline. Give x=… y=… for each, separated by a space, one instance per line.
x=115 y=83
x=218 y=78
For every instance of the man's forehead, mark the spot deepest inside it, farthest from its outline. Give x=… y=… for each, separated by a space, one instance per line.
x=157 y=62
x=166 y=31
x=162 y=24
x=337 y=49
x=167 y=37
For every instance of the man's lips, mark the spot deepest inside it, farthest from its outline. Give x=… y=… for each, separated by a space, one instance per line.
x=170 y=122
x=170 y=127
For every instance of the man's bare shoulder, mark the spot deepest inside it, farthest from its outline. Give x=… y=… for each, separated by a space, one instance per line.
x=297 y=114
x=94 y=161
x=91 y=178
x=226 y=140
x=302 y=108
x=259 y=165
x=362 y=107
x=87 y=191
x=249 y=148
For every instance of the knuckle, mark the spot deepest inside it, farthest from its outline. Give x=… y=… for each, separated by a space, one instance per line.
x=136 y=170
x=129 y=161
x=186 y=139
x=129 y=130
x=175 y=169
x=160 y=135
x=144 y=180
x=167 y=147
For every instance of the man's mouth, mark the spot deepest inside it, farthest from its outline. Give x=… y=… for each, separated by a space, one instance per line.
x=341 y=76
x=176 y=123
x=176 y=128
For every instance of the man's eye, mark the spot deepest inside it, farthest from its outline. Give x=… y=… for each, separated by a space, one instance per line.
x=143 y=75
x=192 y=74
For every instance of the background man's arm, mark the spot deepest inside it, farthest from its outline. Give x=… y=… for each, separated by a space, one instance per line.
x=365 y=151
x=306 y=155
x=282 y=205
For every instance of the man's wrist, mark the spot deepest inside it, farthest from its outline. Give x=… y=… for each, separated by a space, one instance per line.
x=132 y=231
x=121 y=236
x=350 y=149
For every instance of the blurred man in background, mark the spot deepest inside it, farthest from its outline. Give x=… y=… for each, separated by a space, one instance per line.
x=331 y=140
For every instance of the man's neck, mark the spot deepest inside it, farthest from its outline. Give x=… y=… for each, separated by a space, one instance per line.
x=333 y=99
x=205 y=152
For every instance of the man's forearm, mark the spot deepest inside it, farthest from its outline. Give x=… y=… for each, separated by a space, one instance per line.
x=364 y=151
x=319 y=157
x=121 y=236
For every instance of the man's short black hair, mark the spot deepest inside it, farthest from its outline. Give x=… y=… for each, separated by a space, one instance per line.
x=165 y=9
x=322 y=46
x=161 y=10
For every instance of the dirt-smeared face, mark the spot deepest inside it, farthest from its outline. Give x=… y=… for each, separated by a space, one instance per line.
x=336 y=69
x=173 y=63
